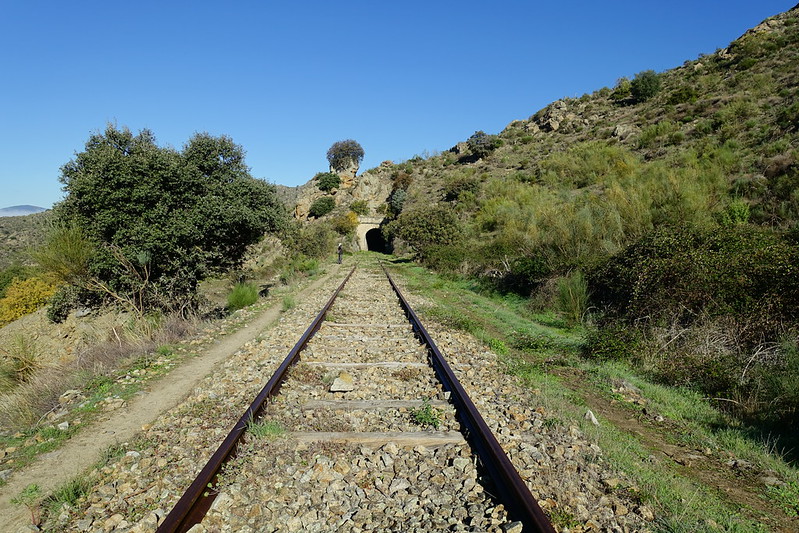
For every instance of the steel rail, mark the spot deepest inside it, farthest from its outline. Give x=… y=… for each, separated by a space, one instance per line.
x=195 y=502
x=513 y=491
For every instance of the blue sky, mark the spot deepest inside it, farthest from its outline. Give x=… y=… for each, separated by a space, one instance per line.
x=287 y=79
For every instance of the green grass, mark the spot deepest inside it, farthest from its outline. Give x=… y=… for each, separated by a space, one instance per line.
x=269 y=429
x=67 y=494
x=242 y=295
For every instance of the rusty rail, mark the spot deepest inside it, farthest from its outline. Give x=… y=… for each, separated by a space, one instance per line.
x=513 y=492
x=195 y=502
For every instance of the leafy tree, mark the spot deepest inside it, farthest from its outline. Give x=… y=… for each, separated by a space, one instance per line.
x=645 y=85
x=481 y=144
x=163 y=219
x=327 y=181
x=344 y=153
x=322 y=206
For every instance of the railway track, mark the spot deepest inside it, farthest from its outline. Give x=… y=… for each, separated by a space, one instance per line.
x=370 y=431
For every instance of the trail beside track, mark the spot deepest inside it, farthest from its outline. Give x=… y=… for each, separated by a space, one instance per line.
x=82 y=451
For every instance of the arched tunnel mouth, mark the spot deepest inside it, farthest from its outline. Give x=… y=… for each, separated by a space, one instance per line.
x=375 y=241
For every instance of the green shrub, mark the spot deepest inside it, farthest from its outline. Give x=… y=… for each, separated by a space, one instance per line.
x=460 y=185
x=645 y=85
x=683 y=94
x=360 y=207
x=322 y=206
x=622 y=89
x=242 y=295
x=402 y=177
x=656 y=131
x=428 y=227
x=327 y=181
x=315 y=241
x=67 y=253
x=737 y=212
x=788 y=117
x=64 y=300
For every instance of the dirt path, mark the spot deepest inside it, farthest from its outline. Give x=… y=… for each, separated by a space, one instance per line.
x=742 y=489
x=54 y=469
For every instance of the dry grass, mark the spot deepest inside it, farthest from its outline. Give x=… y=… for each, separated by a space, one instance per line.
x=29 y=402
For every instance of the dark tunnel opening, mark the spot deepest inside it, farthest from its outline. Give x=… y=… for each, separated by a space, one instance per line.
x=375 y=241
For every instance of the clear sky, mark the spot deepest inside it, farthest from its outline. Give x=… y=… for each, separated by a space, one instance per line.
x=287 y=79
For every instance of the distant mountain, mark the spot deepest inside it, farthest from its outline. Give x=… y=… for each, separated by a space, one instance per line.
x=20 y=210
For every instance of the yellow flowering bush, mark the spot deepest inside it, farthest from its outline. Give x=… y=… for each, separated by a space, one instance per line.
x=24 y=297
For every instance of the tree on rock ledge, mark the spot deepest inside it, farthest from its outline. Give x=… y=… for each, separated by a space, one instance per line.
x=344 y=154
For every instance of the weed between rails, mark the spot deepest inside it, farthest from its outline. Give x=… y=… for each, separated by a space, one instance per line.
x=426 y=415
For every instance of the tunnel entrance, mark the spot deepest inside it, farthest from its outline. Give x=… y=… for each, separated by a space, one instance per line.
x=375 y=241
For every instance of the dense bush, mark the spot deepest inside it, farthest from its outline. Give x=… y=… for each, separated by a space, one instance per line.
x=64 y=300
x=322 y=206
x=614 y=342
x=684 y=273
x=622 y=89
x=645 y=85
x=482 y=144
x=327 y=181
x=460 y=187
x=343 y=153
x=24 y=297
x=161 y=219
x=345 y=223
x=402 y=177
x=683 y=94
x=313 y=240
x=427 y=228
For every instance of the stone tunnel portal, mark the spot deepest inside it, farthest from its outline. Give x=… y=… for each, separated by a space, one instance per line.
x=375 y=241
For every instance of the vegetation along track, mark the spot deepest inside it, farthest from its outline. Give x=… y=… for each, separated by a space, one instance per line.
x=383 y=426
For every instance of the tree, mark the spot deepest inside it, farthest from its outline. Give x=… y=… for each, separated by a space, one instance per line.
x=645 y=85
x=162 y=219
x=342 y=154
